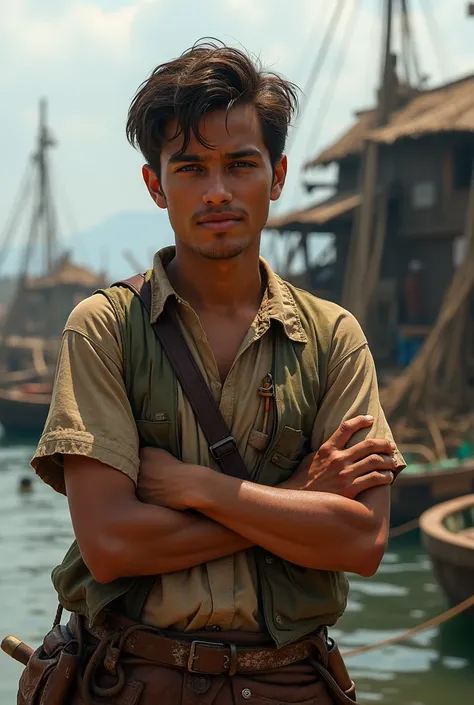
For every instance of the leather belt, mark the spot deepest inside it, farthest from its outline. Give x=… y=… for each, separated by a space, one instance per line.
x=199 y=655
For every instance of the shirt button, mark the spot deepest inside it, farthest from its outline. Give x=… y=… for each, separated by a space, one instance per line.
x=200 y=684
x=279 y=619
x=269 y=559
x=246 y=693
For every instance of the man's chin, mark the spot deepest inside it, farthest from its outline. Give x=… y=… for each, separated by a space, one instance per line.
x=222 y=249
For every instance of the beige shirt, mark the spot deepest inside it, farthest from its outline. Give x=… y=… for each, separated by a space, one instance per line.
x=90 y=415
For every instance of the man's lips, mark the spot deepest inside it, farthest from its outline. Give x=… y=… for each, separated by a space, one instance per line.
x=219 y=222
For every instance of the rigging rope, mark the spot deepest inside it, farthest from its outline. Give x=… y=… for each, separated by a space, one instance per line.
x=313 y=76
x=66 y=220
x=409 y=46
x=16 y=213
x=294 y=247
x=435 y=37
x=429 y=624
x=318 y=64
x=404 y=528
x=318 y=21
x=350 y=31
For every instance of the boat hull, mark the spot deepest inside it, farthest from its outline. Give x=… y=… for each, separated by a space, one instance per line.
x=452 y=552
x=414 y=493
x=23 y=413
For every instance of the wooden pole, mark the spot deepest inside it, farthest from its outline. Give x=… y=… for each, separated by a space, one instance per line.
x=355 y=299
x=359 y=264
x=375 y=260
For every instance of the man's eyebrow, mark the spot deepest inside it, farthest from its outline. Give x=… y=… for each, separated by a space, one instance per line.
x=179 y=157
x=241 y=153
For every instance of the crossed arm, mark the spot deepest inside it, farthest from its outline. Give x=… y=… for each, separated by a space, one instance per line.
x=333 y=515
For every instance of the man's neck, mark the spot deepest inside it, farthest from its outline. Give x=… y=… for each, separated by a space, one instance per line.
x=221 y=286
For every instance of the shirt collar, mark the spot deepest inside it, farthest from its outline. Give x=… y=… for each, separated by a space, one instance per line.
x=278 y=302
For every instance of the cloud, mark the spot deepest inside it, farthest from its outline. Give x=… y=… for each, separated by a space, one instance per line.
x=65 y=32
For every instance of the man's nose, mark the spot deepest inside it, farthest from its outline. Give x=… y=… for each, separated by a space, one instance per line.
x=217 y=192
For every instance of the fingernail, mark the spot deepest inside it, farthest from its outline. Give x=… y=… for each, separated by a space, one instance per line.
x=369 y=417
x=393 y=446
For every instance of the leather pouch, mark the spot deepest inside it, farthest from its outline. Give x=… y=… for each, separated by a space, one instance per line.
x=50 y=674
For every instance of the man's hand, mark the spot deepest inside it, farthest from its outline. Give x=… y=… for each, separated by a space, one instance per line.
x=163 y=480
x=346 y=471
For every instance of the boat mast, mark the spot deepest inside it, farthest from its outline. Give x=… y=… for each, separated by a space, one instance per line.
x=42 y=229
x=43 y=220
x=45 y=208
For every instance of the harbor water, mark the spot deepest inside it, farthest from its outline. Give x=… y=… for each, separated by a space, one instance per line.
x=435 y=667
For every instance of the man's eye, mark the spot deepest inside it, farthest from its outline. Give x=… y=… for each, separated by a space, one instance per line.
x=189 y=167
x=242 y=164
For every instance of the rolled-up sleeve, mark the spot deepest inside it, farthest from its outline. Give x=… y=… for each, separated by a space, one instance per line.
x=90 y=413
x=351 y=389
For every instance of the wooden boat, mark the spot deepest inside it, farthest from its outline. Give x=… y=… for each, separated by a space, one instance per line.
x=420 y=487
x=24 y=411
x=42 y=298
x=448 y=535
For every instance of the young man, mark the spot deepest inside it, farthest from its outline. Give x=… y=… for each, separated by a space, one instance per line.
x=189 y=585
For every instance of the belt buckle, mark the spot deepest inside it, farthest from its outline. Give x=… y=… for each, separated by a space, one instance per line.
x=230 y=662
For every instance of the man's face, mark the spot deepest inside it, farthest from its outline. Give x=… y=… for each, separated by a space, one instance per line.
x=218 y=199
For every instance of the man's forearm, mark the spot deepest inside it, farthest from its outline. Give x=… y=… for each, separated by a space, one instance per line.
x=312 y=529
x=120 y=536
x=148 y=540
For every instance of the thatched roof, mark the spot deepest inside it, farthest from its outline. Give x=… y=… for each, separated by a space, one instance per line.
x=350 y=143
x=448 y=108
x=316 y=216
x=68 y=273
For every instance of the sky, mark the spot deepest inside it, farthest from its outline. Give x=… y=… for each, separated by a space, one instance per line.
x=88 y=59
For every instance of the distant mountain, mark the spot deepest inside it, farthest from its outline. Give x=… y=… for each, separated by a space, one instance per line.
x=103 y=245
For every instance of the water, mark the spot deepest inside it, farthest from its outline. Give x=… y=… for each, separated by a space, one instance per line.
x=435 y=667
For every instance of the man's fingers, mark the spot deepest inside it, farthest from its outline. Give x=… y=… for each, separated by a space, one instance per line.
x=371 y=446
x=373 y=463
x=373 y=479
x=346 y=430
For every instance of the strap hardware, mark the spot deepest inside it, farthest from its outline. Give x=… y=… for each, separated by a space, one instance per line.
x=222 y=448
x=229 y=662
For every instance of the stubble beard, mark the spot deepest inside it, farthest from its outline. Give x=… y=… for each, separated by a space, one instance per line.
x=222 y=250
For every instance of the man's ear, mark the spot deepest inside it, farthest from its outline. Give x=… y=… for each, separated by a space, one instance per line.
x=153 y=185
x=279 y=178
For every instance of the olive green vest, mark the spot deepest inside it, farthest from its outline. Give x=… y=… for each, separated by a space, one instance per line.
x=294 y=600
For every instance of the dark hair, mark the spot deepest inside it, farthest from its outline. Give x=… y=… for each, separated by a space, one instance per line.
x=209 y=76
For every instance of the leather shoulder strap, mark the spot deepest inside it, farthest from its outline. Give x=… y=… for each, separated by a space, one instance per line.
x=222 y=445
